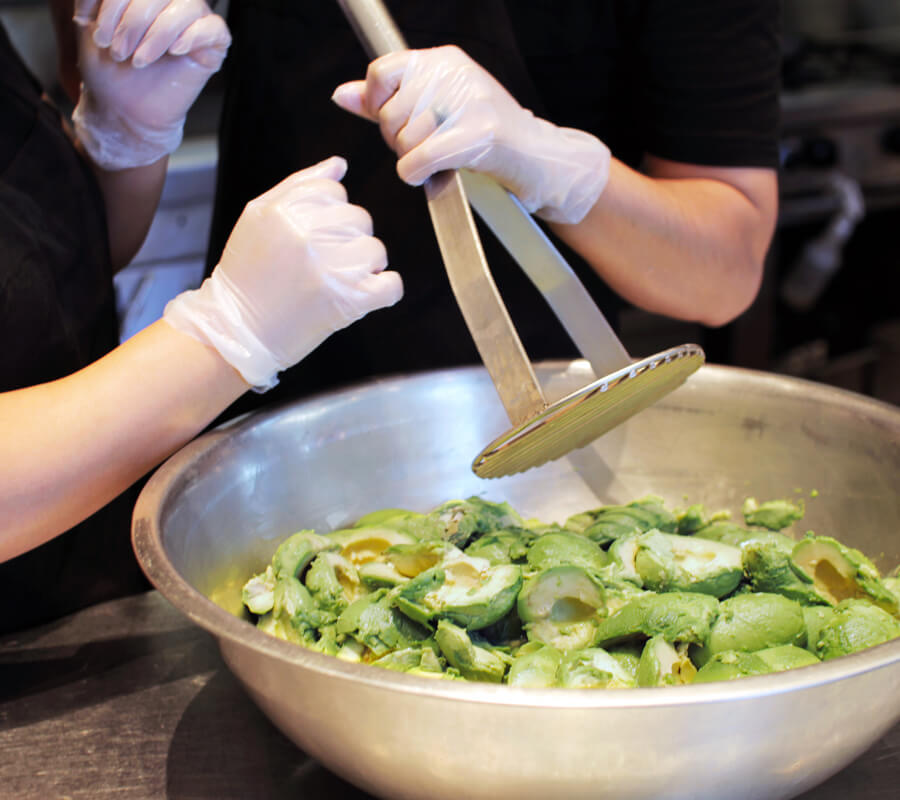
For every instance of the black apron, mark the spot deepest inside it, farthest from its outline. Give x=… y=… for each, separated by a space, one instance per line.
x=57 y=314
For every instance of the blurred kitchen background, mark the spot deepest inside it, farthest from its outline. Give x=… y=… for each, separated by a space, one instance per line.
x=829 y=308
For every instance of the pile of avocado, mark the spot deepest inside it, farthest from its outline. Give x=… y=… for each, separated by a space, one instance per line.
x=619 y=596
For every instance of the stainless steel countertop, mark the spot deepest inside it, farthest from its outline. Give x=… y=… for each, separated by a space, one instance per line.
x=131 y=700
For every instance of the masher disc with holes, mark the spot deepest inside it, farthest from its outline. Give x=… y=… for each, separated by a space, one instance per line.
x=578 y=419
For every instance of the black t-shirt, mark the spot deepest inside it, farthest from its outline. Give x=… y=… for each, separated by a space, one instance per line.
x=57 y=314
x=693 y=81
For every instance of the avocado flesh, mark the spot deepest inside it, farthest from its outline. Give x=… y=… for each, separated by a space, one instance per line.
x=297 y=551
x=562 y=548
x=333 y=581
x=361 y=545
x=503 y=547
x=664 y=664
x=786 y=656
x=374 y=622
x=621 y=568
x=536 y=666
x=629 y=657
x=772 y=514
x=377 y=591
x=671 y=562
x=411 y=559
x=892 y=584
x=473 y=662
x=593 y=668
x=294 y=615
x=415 y=659
x=675 y=616
x=754 y=621
x=560 y=606
x=608 y=523
x=731 y=665
x=856 y=625
x=475 y=594
x=384 y=516
x=464 y=520
x=815 y=618
x=467 y=591
x=769 y=568
x=841 y=573
x=737 y=536
x=258 y=593
x=380 y=575
x=291 y=558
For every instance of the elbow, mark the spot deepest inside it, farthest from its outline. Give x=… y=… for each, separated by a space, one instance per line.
x=745 y=272
x=744 y=262
x=742 y=291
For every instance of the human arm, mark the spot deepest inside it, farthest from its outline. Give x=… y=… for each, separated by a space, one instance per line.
x=679 y=239
x=71 y=445
x=300 y=264
x=142 y=64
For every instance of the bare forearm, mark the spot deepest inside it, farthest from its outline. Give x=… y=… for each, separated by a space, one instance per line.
x=131 y=197
x=688 y=247
x=70 y=446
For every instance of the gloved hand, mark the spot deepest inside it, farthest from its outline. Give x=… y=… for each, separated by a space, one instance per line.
x=142 y=63
x=440 y=110
x=300 y=264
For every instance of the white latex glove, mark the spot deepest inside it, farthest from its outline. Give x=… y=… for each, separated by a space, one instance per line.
x=142 y=63
x=300 y=264
x=440 y=110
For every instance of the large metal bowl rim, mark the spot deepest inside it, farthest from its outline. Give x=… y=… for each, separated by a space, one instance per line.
x=151 y=553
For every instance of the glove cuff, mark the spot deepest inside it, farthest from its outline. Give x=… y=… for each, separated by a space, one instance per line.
x=115 y=143
x=213 y=316
x=581 y=161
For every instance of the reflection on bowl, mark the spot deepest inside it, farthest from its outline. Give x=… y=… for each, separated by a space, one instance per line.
x=213 y=514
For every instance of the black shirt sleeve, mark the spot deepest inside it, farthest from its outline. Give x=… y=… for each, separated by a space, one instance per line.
x=712 y=79
x=695 y=81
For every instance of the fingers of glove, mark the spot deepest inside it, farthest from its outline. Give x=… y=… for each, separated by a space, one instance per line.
x=354 y=258
x=373 y=291
x=448 y=148
x=324 y=220
x=106 y=18
x=416 y=130
x=351 y=96
x=417 y=102
x=381 y=289
x=84 y=11
x=405 y=119
x=136 y=19
x=332 y=169
x=383 y=78
x=207 y=40
x=186 y=29
x=295 y=189
x=291 y=226
x=354 y=293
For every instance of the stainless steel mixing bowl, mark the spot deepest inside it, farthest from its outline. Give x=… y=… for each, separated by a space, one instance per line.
x=214 y=512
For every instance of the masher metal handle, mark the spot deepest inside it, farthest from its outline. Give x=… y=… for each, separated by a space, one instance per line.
x=549 y=271
x=467 y=269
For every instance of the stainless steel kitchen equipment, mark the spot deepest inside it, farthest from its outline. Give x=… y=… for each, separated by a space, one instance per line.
x=213 y=514
x=541 y=431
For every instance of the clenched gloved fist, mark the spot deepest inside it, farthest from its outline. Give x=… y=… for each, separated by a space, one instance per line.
x=438 y=110
x=142 y=63
x=300 y=264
